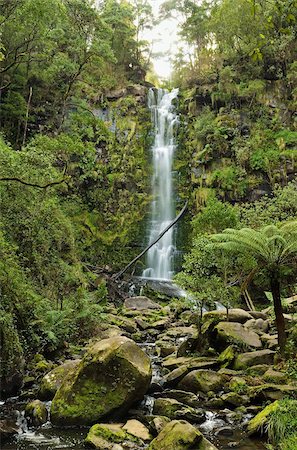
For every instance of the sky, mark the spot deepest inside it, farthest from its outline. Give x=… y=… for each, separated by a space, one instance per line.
x=164 y=39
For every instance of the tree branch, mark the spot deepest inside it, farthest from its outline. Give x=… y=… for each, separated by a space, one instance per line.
x=40 y=186
x=179 y=216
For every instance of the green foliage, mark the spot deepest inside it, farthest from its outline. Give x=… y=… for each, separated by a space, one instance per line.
x=282 y=425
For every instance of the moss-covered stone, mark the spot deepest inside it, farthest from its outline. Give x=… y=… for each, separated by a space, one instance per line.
x=103 y=436
x=177 y=435
x=113 y=374
x=235 y=333
x=36 y=412
x=249 y=359
x=202 y=380
x=257 y=424
x=51 y=382
x=173 y=409
x=226 y=358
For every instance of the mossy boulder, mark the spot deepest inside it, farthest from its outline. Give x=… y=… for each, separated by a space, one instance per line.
x=106 y=436
x=248 y=359
x=227 y=357
x=51 y=382
x=202 y=380
x=227 y=333
x=113 y=374
x=177 y=435
x=257 y=424
x=233 y=315
x=36 y=412
x=173 y=409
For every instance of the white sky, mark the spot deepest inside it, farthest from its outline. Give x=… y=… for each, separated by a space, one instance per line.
x=164 y=39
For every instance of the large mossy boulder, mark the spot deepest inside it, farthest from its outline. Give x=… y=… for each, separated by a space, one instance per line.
x=177 y=435
x=227 y=333
x=51 y=382
x=249 y=359
x=109 y=437
x=113 y=374
x=202 y=380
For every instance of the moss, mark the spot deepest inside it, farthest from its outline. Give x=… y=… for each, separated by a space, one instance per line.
x=260 y=420
x=100 y=432
x=227 y=356
x=238 y=385
x=290 y=443
x=37 y=412
x=177 y=435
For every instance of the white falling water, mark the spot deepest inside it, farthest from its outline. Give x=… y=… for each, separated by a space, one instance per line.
x=160 y=256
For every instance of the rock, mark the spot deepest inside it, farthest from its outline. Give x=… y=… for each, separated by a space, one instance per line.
x=36 y=412
x=177 y=435
x=234 y=315
x=202 y=380
x=187 y=398
x=142 y=324
x=137 y=429
x=178 y=332
x=51 y=382
x=273 y=376
x=235 y=333
x=249 y=359
x=290 y=304
x=272 y=392
x=161 y=324
x=7 y=429
x=258 y=315
x=258 y=369
x=257 y=424
x=234 y=399
x=270 y=341
x=206 y=445
x=159 y=422
x=173 y=409
x=122 y=322
x=140 y=303
x=172 y=378
x=191 y=362
x=227 y=357
x=116 y=94
x=113 y=374
x=106 y=437
x=187 y=346
x=238 y=385
x=257 y=325
x=165 y=348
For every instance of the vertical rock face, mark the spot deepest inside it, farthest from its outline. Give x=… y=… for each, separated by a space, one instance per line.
x=114 y=374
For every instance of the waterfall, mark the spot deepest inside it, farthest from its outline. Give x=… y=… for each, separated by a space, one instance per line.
x=160 y=257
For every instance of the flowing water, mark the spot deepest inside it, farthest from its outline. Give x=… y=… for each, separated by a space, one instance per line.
x=160 y=257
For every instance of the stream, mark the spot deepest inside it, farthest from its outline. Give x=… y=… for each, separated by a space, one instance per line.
x=220 y=430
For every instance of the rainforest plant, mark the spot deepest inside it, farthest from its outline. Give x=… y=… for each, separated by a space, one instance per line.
x=274 y=251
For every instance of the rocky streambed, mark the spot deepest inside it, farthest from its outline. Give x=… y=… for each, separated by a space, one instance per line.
x=150 y=379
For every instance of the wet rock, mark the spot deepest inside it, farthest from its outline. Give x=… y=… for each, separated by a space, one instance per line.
x=165 y=348
x=140 y=303
x=36 y=413
x=272 y=392
x=172 y=378
x=258 y=369
x=8 y=429
x=177 y=435
x=110 y=437
x=113 y=374
x=202 y=380
x=234 y=315
x=191 y=362
x=137 y=429
x=51 y=382
x=224 y=431
x=249 y=359
x=173 y=409
x=234 y=333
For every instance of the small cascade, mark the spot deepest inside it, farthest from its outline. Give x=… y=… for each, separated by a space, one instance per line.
x=160 y=257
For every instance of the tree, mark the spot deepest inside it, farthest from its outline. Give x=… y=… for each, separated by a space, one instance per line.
x=274 y=251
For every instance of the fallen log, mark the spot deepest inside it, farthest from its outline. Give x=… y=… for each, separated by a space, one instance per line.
x=178 y=217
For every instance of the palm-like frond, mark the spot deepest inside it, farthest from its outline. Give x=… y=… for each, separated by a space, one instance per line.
x=270 y=246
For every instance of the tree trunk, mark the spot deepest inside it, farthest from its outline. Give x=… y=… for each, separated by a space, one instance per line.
x=278 y=309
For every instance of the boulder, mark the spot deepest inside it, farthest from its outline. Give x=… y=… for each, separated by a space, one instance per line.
x=185 y=397
x=140 y=303
x=109 y=437
x=191 y=362
x=137 y=429
x=234 y=315
x=158 y=423
x=113 y=374
x=7 y=430
x=202 y=380
x=36 y=412
x=177 y=435
x=51 y=382
x=244 y=360
x=274 y=376
x=257 y=325
x=234 y=333
x=173 y=409
x=233 y=399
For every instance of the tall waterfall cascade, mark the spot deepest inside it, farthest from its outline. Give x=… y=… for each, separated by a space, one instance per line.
x=160 y=257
